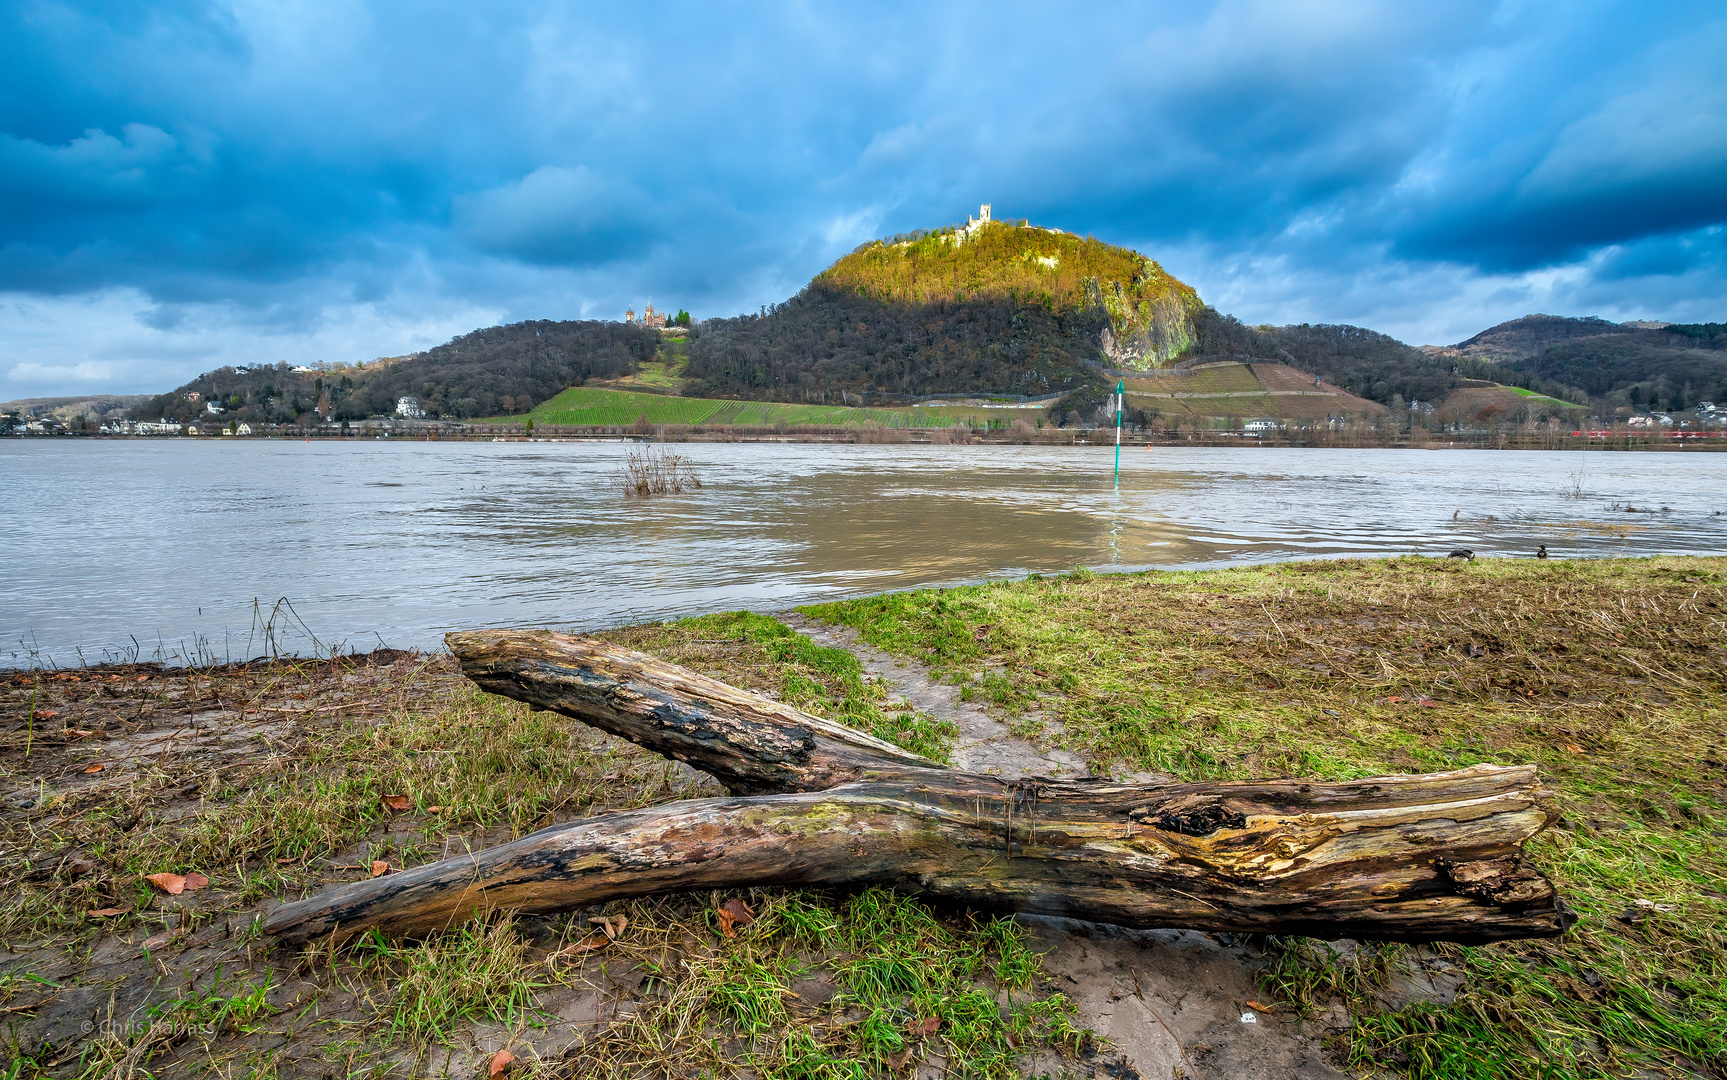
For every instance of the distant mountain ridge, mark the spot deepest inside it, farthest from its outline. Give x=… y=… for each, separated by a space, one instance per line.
x=989 y=308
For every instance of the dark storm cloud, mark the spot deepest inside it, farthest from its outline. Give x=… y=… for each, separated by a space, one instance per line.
x=248 y=181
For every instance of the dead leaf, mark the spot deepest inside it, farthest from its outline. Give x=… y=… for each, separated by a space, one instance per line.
x=143 y=678
x=48 y=714
x=157 y=942
x=983 y=631
x=734 y=912
x=397 y=802
x=1012 y=1041
x=434 y=809
x=96 y=768
x=285 y=860
x=1257 y=1007
x=1394 y=701
x=612 y=924
x=172 y=884
x=107 y=912
x=901 y=1059
x=1574 y=748
x=196 y=881
x=79 y=733
x=588 y=944
x=917 y=1029
x=501 y=1062
x=380 y=867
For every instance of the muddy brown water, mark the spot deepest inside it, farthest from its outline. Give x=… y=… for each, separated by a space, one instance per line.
x=181 y=548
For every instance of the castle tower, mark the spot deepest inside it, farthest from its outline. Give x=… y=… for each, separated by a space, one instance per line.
x=630 y=315
x=983 y=213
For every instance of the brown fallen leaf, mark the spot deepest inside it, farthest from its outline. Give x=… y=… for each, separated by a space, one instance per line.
x=157 y=942
x=734 y=912
x=501 y=1062
x=434 y=809
x=195 y=881
x=612 y=924
x=172 y=884
x=48 y=714
x=79 y=733
x=901 y=1059
x=397 y=802
x=107 y=912
x=96 y=768
x=380 y=867
x=588 y=944
x=917 y=1029
x=1257 y=1007
x=1394 y=701
x=1012 y=1041
x=284 y=860
x=1574 y=748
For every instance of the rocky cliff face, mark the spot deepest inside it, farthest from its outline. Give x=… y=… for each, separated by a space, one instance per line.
x=1150 y=318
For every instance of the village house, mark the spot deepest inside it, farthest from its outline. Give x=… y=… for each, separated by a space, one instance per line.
x=1261 y=423
x=408 y=407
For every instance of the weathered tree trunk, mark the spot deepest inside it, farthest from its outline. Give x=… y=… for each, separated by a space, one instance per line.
x=1410 y=858
x=750 y=744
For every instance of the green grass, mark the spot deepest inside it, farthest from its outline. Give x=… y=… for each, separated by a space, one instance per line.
x=760 y=653
x=892 y=967
x=586 y=406
x=1543 y=398
x=1610 y=675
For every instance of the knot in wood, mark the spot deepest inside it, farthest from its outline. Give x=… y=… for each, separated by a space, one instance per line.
x=1201 y=820
x=1509 y=880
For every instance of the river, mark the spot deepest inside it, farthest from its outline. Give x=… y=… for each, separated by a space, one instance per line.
x=180 y=548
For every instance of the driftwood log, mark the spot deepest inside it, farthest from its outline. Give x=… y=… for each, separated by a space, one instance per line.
x=1434 y=857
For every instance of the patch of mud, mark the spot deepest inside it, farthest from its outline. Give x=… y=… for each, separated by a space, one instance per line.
x=985 y=745
x=1173 y=1003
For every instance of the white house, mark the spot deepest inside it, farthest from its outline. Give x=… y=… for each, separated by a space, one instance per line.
x=409 y=408
x=1261 y=424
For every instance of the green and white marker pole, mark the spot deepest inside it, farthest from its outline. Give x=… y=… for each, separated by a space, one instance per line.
x=1120 y=389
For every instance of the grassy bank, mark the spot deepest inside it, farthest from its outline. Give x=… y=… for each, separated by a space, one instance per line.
x=583 y=406
x=1611 y=675
x=275 y=779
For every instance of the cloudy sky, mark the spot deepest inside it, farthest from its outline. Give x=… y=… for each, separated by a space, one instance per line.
x=184 y=185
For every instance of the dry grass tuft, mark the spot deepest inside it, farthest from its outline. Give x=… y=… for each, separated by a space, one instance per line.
x=654 y=471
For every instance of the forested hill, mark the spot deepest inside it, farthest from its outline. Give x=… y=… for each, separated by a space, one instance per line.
x=990 y=307
x=1383 y=369
x=505 y=369
x=1669 y=366
x=495 y=371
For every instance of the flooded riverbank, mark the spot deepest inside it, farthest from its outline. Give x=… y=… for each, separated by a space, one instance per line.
x=177 y=550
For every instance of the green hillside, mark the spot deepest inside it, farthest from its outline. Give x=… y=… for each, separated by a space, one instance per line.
x=1150 y=312
x=585 y=406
